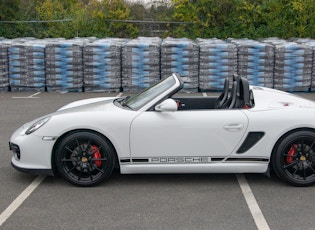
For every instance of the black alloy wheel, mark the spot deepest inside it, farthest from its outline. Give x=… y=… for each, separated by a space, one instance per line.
x=294 y=158
x=85 y=158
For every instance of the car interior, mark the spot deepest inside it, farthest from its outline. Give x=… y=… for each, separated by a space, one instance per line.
x=238 y=96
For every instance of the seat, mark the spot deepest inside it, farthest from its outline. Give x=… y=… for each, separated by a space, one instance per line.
x=230 y=103
x=233 y=97
x=243 y=95
x=224 y=95
x=239 y=96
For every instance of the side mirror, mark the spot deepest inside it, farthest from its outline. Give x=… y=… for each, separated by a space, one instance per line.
x=169 y=105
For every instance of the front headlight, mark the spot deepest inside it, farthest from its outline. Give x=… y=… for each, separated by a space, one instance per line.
x=37 y=125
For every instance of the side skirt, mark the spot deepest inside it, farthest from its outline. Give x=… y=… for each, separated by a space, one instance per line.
x=219 y=167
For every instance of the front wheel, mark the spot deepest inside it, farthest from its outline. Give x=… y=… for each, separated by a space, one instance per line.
x=85 y=158
x=293 y=159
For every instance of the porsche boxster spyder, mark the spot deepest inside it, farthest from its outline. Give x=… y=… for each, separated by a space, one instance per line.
x=246 y=129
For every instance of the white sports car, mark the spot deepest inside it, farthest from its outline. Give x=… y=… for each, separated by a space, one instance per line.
x=244 y=130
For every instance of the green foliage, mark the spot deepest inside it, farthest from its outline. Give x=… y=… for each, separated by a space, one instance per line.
x=245 y=18
x=203 y=18
x=89 y=18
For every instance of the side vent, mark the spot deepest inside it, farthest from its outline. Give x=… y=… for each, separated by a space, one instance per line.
x=251 y=139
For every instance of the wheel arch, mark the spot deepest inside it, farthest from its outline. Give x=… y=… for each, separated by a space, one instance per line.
x=59 y=140
x=285 y=135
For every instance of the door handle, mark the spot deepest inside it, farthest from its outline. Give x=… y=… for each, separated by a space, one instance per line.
x=234 y=127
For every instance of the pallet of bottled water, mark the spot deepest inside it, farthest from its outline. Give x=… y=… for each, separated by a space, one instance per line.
x=102 y=65
x=309 y=43
x=140 y=63
x=218 y=60
x=64 y=65
x=181 y=55
x=255 y=61
x=4 y=65
x=293 y=65
x=27 y=65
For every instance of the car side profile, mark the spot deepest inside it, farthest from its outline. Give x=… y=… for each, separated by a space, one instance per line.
x=246 y=129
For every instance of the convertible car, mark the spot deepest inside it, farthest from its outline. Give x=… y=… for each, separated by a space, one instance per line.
x=246 y=129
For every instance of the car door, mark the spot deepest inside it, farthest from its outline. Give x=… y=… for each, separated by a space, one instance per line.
x=196 y=133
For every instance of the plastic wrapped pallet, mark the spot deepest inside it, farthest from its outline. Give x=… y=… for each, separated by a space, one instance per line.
x=255 y=61
x=310 y=43
x=181 y=55
x=4 y=65
x=140 y=63
x=64 y=66
x=218 y=60
x=27 y=65
x=102 y=65
x=293 y=66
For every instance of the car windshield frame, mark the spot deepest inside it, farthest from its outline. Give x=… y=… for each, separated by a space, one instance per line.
x=141 y=99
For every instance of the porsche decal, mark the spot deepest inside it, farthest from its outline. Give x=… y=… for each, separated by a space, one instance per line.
x=186 y=160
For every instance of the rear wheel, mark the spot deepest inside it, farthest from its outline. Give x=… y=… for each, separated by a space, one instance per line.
x=294 y=158
x=85 y=158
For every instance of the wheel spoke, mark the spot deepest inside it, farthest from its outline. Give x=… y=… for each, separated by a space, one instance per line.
x=295 y=171
x=311 y=147
x=70 y=150
x=80 y=174
x=90 y=173
x=88 y=144
x=287 y=155
x=291 y=164
x=294 y=146
x=310 y=166
x=304 y=172
x=100 y=170
x=99 y=159
x=70 y=160
x=302 y=146
x=70 y=170
x=98 y=149
x=79 y=145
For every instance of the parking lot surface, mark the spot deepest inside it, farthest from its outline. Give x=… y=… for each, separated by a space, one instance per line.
x=184 y=201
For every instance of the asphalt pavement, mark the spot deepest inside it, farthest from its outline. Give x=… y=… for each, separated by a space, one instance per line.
x=180 y=201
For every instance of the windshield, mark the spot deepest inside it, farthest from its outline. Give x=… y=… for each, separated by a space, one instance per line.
x=139 y=100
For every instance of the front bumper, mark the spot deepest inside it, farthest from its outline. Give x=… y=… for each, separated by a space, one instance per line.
x=48 y=172
x=31 y=153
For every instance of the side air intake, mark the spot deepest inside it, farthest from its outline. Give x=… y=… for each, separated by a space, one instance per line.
x=251 y=139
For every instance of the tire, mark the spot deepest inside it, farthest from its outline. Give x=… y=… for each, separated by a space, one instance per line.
x=293 y=159
x=85 y=158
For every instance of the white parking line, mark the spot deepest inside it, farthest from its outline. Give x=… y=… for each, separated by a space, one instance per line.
x=29 y=97
x=20 y=199
x=119 y=95
x=252 y=204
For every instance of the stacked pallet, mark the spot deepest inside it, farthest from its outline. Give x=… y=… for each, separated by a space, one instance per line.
x=27 y=65
x=218 y=60
x=255 y=61
x=64 y=66
x=293 y=66
x=4 y=66
x=102 y=65
x=310 y=43
x=140 y=63
x=181 y=55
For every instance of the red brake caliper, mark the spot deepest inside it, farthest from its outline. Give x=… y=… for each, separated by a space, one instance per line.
x=291 y=153
x=97 y=155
